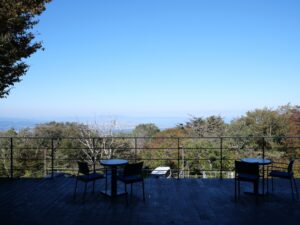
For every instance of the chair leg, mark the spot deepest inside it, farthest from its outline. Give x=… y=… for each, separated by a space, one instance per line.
x=126 y=193
x=143 y=190
x=131 y=190
x=267 y=184
x=239 y=189
x=105 y=180
x=272 y=184
x=256 y=191
x=84 y=191
x=297 y=196
x=235 y=198
x=74 y=195
x=255 y=188
x=267 y=180
x=292 y=188
x=93 y=186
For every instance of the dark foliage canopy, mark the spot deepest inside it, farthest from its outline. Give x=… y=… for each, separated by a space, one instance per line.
x=17 y=18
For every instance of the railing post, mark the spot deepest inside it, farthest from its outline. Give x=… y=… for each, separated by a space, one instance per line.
x=263 y=147
x=263 y=166
x=135 y=149
x=182 y=160
x=178 y=157
x=11 y=158
x=52 y=158
x=221 y=155
x=93 y=157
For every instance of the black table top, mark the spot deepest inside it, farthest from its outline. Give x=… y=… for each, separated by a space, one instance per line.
x=113 y=162
x=259 y=161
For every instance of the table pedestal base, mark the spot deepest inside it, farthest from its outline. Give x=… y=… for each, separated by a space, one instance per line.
x=252 y=193
x=109 y=193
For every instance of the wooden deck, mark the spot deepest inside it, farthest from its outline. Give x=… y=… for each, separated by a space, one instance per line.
x=168 y=201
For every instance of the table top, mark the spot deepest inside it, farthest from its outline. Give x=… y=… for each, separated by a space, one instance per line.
x=259 y=161
x=113 y=162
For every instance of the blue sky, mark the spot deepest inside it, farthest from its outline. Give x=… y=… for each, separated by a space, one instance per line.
x=160 y=58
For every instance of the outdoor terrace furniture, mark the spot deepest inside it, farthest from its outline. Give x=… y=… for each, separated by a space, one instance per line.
x=113 y=164
x=132 y=173
x=162 y=171
x=84 y=175
x=246 y=172
x=262 y=162
x=278 y=171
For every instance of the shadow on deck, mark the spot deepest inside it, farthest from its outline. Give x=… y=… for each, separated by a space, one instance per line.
x=168 y=201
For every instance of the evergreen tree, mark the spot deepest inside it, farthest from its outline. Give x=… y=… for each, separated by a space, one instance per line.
x=17 y=18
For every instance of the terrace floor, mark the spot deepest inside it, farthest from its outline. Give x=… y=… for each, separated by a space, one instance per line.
x=168 y=201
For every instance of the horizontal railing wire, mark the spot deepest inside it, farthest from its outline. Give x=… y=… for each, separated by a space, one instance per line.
x=49 y=155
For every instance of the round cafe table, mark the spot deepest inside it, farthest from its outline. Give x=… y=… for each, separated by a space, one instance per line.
x=259 y=161
x=262 y=162
x=113 y=164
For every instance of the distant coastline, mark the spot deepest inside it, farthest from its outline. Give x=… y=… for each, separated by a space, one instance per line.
x=17 y=123
x=125 y=123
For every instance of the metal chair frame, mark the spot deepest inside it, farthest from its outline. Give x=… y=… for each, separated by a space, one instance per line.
x=246 y=172
x=87 y=177
x=132 y=173
x=284 y=173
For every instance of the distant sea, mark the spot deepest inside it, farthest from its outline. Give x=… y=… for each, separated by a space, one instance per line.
x=16 y=123
x=124 y=123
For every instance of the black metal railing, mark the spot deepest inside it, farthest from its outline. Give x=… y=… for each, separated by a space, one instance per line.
x=186 y=156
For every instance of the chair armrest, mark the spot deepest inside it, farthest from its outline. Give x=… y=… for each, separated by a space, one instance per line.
x=102 y=170
x=277 y=166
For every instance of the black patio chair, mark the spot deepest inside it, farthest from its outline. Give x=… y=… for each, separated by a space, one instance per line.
x=278 y=171
x=86 y=176
x=132 y=173
x=246 y=172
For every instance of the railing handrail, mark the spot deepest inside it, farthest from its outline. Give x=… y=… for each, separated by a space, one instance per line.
x=176 y=145
x=146 y=137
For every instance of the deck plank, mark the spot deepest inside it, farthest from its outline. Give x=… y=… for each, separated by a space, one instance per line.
x=168 y=201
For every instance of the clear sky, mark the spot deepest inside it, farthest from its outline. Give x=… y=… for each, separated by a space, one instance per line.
x=161 y=58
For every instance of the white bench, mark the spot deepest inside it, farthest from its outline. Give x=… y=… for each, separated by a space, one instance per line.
x=162 y=171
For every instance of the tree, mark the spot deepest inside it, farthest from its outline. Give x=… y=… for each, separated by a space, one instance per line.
x=293 y=120
x=17 y=18
x=263 y=122
x=142 y=132
x=145 y=130
x=292 y=113
x=257 y=130
x=99 y=141
x=163 y=148
x=5 y=152
x=210 y=126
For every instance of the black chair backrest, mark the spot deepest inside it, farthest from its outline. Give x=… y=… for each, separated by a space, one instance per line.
x=83 y=168
x=133 y=169
x=246 y=168
x=290 y=166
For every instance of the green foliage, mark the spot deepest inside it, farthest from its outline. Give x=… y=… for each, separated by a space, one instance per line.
x=210 y=126
x=260 y=122
x=190 y=149
x=145 y=130
x=17 y=18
